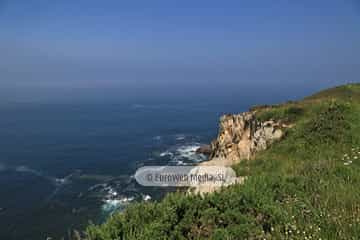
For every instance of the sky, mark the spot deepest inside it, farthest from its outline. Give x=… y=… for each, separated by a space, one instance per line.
x=54 y=51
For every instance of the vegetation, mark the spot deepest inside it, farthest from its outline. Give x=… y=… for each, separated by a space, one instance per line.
x=304 y=187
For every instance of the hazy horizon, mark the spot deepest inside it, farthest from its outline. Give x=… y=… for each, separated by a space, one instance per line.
x=116 y=51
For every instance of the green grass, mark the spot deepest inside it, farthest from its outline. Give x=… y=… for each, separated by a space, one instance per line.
x=287 y=114
x=303 y=187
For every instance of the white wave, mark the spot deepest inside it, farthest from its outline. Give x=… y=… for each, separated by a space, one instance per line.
x=180 y=137
x=57 y=182
x=64 y=180
x=99 y=185
x=26 y=169
x=180 y=163
x=112 y=192
x=188 y=152
x=120 y=202
x=184 y=155
x=60 y=181
x=166 y=153
x=111 y=205
x=146 y=198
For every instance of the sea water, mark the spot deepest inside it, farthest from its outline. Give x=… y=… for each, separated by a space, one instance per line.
x=64 y=165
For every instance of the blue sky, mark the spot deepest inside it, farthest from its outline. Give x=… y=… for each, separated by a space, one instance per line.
x=73 y=50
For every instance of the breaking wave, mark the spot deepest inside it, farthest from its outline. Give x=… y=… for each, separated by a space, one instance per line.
x=184 y=154
x=114 y=200
x=180 y=137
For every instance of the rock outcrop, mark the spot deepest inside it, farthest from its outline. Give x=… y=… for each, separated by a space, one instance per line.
x=241 y=136
x=204 y=149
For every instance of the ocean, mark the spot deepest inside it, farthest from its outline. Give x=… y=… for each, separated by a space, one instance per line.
x=65 y=165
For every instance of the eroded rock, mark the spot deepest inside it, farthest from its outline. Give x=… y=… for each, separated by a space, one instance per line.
x=242 y=135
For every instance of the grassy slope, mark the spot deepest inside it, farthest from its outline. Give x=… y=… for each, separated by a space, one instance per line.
x=303 y=187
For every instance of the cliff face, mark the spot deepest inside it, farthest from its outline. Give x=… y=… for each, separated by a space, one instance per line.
x=241 y=136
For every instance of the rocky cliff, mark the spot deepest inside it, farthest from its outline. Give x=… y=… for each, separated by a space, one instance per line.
x=241 y=136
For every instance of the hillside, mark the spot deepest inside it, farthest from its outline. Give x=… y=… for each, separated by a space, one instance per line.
x=304 y=186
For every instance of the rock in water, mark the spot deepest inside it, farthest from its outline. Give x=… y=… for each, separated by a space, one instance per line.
x=204 y=149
